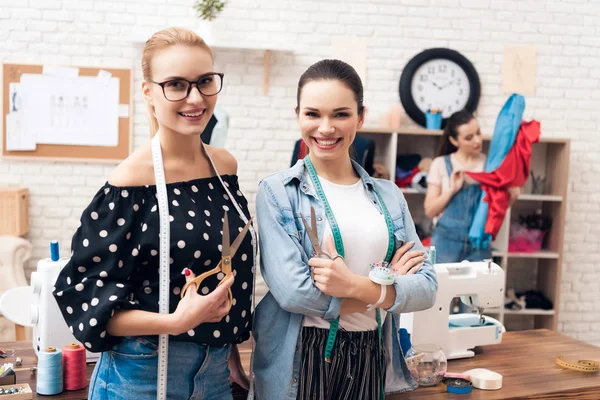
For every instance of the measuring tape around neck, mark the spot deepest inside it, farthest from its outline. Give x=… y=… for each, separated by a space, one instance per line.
x=337 y=236
x=254 y=256
x=164 y=257
x=164 y=238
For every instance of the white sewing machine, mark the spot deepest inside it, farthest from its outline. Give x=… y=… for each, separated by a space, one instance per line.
x=35 y=306
x=480 y=285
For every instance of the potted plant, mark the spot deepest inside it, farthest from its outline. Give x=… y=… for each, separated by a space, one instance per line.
x=207 y=11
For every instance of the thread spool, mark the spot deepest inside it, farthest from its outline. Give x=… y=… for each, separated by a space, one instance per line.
x=74 y=367
x=49 y=372
x=54 y=252
x=432 y=254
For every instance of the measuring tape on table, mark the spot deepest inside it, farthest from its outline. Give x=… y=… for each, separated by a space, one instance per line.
x=580 y=366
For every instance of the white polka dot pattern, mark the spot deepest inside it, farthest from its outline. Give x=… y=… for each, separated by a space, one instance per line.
x=114 y=259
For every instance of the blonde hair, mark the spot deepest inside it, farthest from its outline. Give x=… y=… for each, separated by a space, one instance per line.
x=160 y=41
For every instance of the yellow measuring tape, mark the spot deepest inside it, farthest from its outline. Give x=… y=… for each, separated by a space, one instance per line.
x=581 y=365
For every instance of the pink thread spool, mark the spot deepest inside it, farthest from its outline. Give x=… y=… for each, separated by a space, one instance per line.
x=74 y=367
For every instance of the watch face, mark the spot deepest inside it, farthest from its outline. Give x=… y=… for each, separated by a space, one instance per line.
x=441 y=84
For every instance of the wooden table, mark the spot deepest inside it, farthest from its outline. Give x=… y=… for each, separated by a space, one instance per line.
x=525 y=359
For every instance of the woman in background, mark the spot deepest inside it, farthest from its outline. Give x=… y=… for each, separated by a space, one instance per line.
x=453 y=197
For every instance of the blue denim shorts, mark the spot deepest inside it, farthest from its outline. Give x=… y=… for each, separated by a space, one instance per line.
x=130 y=369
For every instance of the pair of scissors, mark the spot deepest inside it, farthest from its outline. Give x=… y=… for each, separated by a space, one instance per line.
x=227 y=253
x=314 y=237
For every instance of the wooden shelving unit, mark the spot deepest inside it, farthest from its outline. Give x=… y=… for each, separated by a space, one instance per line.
x=539 y=271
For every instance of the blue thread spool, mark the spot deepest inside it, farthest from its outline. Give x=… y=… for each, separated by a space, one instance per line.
x=433 y=120
x=49 y=372
x=432 y=254
x=54 y=253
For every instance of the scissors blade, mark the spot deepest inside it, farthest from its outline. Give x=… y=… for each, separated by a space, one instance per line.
x=238 y=240
x=312 y=235
x=313 y=220
x=225 y=249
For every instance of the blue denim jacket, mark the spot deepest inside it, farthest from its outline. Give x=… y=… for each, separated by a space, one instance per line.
x=285 y=250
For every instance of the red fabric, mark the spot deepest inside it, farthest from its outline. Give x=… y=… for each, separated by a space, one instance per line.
x=406 y=182
x=513 y=172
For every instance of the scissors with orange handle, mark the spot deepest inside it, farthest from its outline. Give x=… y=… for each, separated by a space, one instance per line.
x=227 y=253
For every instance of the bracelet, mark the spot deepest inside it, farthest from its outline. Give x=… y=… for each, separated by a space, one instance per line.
x=371 y=307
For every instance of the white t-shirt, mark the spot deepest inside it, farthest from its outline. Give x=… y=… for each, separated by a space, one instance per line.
x=438 y=174
x=365 y=237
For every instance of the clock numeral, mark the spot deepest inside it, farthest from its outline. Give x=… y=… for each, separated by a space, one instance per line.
x=452 y=73
x=424 y=78
x=457 y=100
x=431 y=70
x=459 y=81
x=420 y=88
x=460 y=91
x=442 y=68
x=449 y=108
x=421 y=99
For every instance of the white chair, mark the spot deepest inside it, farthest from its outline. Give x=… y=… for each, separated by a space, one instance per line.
x=14 y=252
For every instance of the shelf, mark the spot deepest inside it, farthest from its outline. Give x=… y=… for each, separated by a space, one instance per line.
x=545 y=254
x=529 y=311
x=410 y=191
x=266 y=48
x=417 y=131
x=403 y=131
x=540 y=197
x=539 y=254
x=523 y=197
x=550 y=157
x=141 y=37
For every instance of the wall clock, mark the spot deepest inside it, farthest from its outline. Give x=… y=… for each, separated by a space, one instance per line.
x=439 y=78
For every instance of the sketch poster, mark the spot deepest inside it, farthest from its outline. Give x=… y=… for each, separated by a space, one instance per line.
x=519 y=70
x=80 y=111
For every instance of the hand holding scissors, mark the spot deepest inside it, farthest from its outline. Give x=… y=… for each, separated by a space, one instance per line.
x=313 y=235
x=224 y=266
x=329 y=271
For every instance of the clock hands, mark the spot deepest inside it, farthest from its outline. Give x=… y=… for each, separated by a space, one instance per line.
x=447 y=84
x=444 y=86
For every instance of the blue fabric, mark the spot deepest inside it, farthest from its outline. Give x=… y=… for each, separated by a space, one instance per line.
x=285 y=250
x=451 y=234
x=505 y=135
x=404 y=340
x=130 y=369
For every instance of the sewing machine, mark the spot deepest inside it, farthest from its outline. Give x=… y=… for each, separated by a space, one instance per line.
x=35 y=306
x=480 y=285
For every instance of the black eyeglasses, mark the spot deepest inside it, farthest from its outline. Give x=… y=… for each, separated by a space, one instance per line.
x=179 y=89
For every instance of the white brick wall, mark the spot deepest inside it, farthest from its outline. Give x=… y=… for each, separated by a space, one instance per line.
x=263 y=129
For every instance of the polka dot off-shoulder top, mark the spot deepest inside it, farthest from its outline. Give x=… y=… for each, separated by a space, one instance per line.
x=115 y=262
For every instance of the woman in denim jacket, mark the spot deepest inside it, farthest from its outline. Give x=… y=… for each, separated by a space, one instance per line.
x=307 y=293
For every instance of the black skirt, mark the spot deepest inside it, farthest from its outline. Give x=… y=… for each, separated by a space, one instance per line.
x=356 y=371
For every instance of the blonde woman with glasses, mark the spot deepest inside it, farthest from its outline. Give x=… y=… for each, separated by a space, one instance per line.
x=108 y=293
